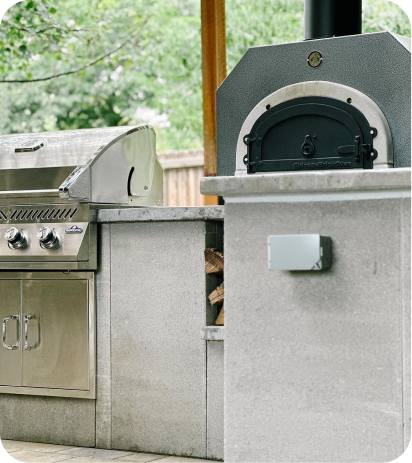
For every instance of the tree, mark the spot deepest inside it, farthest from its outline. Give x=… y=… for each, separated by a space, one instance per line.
x=132 y=61
x=34 y=31
x=153 y=72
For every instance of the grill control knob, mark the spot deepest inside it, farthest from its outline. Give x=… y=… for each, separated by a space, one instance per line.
x=15 y=238
x=48 y=238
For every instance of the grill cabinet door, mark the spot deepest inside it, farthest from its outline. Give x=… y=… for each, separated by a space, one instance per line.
x=56 y=346
x=10 y=348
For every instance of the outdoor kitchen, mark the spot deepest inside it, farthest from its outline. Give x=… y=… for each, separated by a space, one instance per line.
x=271 y=324
x=75 y=324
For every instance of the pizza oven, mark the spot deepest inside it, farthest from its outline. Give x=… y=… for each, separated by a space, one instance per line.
x=338 y=100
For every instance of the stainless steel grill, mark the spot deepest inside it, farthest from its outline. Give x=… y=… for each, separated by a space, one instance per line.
x=51 y=186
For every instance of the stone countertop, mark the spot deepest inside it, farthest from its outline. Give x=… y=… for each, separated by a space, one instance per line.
x=308 y=182
x=160 y=214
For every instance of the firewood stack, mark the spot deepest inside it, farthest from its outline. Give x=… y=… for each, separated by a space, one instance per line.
x=214 y=263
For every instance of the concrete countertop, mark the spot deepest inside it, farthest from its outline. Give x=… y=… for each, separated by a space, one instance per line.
x=282 y=183
x=160 y=214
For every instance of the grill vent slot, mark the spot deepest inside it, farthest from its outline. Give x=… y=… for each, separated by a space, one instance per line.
x=44 y=214
x=38 y=214
x=56 y=213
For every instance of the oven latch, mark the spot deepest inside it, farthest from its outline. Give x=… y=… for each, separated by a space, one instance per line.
x=361 y=151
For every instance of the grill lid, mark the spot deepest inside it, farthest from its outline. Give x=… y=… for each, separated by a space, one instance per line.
x=97 y=165
x=58 y=149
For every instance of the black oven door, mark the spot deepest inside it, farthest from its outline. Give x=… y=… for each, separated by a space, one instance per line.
x=312 y=133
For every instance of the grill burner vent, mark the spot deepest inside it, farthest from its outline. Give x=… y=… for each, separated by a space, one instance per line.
x=37 y=214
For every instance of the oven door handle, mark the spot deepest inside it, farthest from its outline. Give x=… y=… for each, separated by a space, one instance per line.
x=5 y=320
x=27 y=319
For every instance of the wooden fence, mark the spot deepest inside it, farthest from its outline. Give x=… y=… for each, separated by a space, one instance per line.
x=182 y=171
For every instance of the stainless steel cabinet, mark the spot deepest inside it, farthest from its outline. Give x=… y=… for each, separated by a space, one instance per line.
x=48 y=341
x=10 y=352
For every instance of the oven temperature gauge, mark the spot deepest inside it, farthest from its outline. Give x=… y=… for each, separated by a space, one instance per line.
x=15 y=238
x=48 y=238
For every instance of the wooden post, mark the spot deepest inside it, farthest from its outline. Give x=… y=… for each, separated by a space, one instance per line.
x=213 y=73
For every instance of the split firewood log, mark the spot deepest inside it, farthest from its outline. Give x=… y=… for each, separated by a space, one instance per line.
x=213 y=261
x=216 y=297
x=220 y=320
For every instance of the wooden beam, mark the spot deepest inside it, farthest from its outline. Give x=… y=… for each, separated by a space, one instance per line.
x=213 y=73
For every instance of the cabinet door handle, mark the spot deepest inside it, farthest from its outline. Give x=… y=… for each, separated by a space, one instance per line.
x=27 y=319
x=5 y=320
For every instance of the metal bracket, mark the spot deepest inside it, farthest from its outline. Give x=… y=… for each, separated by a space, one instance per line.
x=248 y=141
x=246 y=159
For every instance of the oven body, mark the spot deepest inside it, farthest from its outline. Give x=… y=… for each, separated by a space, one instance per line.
x=370 y=73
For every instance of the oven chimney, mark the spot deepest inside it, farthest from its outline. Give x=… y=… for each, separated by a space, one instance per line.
x=330 y=18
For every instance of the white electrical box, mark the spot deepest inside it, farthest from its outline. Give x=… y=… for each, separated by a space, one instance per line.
x=299 y=252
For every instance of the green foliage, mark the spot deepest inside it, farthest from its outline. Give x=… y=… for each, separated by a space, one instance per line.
x=273 y=22
x=383 y=15
x=42 y=37
x=155 y=76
